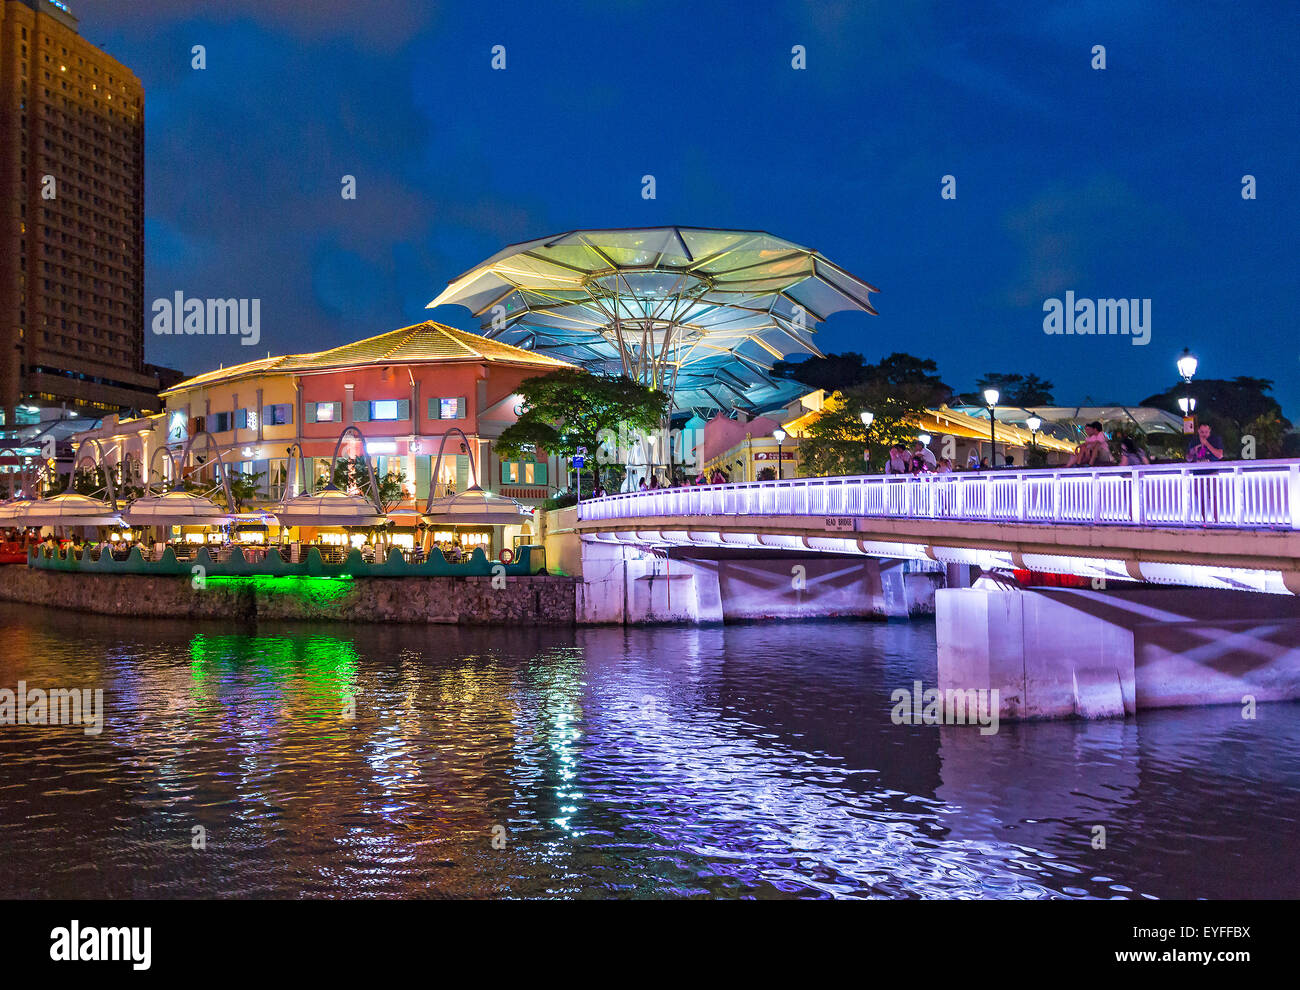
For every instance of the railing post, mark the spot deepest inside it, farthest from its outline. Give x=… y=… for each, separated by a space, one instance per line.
x=1137 y=507
x=1239 y=495
x=1095 y=489
x=1293 y=494
x=1186 y=493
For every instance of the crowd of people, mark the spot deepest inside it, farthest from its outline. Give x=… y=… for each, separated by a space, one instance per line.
x=1093 y=451
x=917 y=458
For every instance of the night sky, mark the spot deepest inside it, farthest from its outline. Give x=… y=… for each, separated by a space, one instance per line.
x=1117 y=183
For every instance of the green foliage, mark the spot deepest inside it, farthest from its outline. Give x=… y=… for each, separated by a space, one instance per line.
x=914 y=378
x=835 y=441
x=569 y=408
x=351 y=473
x=1016 y=389
x=244 y=486
x=89 y=482
x=1234 y=408
x=1270 y=435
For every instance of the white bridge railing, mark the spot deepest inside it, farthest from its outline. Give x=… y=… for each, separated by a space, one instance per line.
x=1231 y=494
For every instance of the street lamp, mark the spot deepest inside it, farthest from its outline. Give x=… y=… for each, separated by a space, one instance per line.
x=1034 y=424
x=991 y=396
x=868 y=417
x=1186 y=369
x=780 y=439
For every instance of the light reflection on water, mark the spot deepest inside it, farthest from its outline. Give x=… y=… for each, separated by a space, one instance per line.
x=754 y=760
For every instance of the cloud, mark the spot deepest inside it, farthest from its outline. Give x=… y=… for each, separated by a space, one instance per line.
x=377 y=25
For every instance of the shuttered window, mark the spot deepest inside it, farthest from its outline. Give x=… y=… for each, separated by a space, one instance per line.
x=447 y=408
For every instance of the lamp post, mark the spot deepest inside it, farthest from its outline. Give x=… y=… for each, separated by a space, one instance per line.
x=780 y=439
x=1034 y=424
x=868 y=417
x=1186 y=369
x=991 y=396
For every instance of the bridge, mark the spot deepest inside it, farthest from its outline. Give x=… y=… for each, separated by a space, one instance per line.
x=1178 y=560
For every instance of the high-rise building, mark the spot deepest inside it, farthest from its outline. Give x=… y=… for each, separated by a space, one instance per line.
x=72 y=234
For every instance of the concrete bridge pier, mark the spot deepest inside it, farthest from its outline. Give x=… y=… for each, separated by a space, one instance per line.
x=630 y=584
x=1061 y=652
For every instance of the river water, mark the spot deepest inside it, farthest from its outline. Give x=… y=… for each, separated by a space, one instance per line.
x=742 y=761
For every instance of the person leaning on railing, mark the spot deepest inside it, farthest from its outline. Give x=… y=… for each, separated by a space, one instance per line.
x=1207 y=447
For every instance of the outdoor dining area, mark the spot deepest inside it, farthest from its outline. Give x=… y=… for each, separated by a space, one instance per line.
x=319 y=531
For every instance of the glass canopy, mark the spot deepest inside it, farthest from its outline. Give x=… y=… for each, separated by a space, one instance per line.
x=700 y=313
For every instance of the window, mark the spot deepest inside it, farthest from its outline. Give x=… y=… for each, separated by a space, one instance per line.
x=523 y=472
x=277 y=415
x=324 y=412
x=447 y=408
x=381 y=409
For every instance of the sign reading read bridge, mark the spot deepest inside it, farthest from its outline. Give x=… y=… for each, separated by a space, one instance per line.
x=839 y=524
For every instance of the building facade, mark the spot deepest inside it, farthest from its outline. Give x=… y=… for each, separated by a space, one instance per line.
x=72 y=241
x=409 y=393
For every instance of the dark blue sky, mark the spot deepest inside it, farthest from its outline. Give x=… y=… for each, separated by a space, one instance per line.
x=1117 y=183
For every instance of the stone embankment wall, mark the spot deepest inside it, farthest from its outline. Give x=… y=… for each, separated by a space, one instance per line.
x=536 y=600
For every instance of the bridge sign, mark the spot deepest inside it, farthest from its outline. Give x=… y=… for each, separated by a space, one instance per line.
x=839 y=524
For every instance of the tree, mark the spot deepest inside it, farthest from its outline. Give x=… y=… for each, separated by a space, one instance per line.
x=831 y=372
x=351 y=474
x=899 y=371
x=1233 y=408
x=244 y=486
x=571 y=408
x=835 y=442
x=1017 y=390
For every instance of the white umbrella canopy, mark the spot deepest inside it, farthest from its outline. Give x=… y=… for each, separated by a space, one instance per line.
x=474 y=506
x=9 y=509
x=175 y=509
x=697 y=312
x=68 y=509
x=329 y=507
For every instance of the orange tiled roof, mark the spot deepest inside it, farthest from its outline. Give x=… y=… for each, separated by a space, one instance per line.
x=419 y=343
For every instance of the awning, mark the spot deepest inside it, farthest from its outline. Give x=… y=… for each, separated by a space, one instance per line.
x=475 y=506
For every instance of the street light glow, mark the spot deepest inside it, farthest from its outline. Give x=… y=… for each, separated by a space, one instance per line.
x=1187 y=365
x=1033 y=422
x=867 y=417
x=991 y=396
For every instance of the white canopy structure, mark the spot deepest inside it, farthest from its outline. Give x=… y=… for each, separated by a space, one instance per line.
x=700 y=313
x=474 y=506
x=329 y=507
x=175 y=509
x=10 y=509
x=68 y=509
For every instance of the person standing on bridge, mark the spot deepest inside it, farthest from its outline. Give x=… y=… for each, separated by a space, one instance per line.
x=1207 y=447
x=899 y=462
x=923 y=459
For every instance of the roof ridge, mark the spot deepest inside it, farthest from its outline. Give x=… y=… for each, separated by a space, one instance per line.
x=457 y=335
